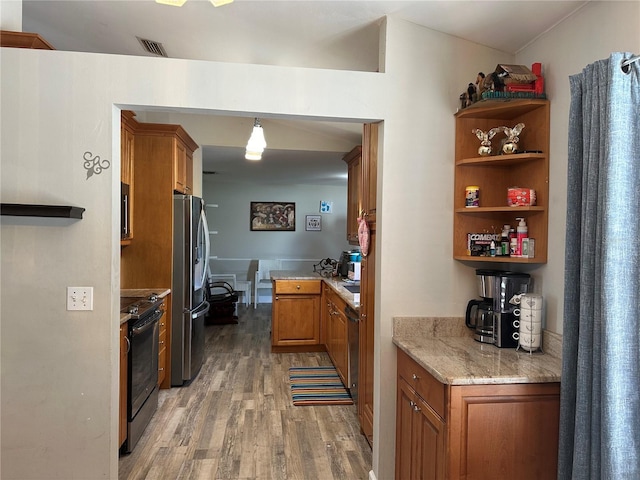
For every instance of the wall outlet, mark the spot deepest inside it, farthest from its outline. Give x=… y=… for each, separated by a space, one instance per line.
x=79 y=298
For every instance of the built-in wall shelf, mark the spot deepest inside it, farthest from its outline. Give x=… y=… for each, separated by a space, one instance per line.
x=30 y=210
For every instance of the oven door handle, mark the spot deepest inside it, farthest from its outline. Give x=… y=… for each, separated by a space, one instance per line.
x=154 y=319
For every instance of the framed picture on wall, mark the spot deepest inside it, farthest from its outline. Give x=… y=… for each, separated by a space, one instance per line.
x=273 y=216
x=313 y=223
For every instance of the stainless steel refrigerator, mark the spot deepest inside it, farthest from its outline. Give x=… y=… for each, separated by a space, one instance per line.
x=190 y=256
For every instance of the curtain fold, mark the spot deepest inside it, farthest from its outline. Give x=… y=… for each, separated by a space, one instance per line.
x=600 y=391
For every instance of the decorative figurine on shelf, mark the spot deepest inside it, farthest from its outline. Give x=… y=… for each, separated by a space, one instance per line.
x=485 y=139
x=511 y=144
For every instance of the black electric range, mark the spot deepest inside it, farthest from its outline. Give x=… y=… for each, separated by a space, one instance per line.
x=138 y=307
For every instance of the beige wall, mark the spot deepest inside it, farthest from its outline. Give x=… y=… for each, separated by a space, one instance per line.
x=592 y=33
x=59 y=369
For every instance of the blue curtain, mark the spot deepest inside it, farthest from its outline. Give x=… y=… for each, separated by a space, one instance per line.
x=600 y=392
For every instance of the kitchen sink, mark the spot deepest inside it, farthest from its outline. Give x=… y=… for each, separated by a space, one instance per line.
x=352 y=288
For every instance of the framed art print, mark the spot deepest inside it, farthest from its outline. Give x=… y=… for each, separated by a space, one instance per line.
x=273 y=216
x=313 y=223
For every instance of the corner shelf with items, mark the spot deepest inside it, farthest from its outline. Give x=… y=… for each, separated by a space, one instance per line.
x=495 y=174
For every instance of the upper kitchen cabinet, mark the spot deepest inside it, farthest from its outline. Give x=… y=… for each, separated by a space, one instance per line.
x=495 y=174
x=127 y=142
x=171 y=142
x=353 y=160
x=369 y=178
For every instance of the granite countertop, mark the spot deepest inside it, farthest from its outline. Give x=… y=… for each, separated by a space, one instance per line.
x=334 y=282
x=141 y=292
x=446 y=349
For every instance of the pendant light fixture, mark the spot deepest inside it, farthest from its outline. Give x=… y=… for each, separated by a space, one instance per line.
x=256 y=143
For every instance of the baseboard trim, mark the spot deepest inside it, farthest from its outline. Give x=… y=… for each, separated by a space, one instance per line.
x=372 y=476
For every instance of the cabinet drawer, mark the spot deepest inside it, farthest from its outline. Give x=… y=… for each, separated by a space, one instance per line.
x=430 y=389
x=298 y=286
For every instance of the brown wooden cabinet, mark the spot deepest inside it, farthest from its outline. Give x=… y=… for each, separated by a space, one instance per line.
x=367 y=282
x=9 y=38
x=127 y=152
x=183 y=168
x=336 y=339
x=148 y=261
x=495 y=174
x=295 y=313
x=124 y=362
x=162 y=342
x=354 y=204
x=474 y=431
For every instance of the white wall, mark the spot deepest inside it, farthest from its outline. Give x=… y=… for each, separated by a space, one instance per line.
x=591 y=34
x=238 y=248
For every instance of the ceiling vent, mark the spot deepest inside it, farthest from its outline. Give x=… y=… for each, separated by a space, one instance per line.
x=155 y=48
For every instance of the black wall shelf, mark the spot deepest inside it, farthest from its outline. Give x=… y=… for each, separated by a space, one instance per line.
x=29 y=210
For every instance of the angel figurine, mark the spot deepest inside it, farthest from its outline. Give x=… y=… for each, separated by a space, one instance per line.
x=485 y=139
x=511 y=143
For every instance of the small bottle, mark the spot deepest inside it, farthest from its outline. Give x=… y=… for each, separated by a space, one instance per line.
x=513 y=245
x=492 y=249
x=504 y=241
x=520 y=235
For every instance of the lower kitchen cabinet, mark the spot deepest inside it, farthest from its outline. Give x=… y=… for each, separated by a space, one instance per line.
x=296 y=314
x=336 y=335
x=162 y=345
x=476 y=431
x=124 y=361
x=420 y=437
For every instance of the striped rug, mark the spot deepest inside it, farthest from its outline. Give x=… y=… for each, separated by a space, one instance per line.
x=317 y=386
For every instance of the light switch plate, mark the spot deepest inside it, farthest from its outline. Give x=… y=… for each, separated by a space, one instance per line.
x=79 y=298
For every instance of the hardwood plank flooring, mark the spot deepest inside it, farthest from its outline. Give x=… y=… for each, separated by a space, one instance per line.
x=236 y=420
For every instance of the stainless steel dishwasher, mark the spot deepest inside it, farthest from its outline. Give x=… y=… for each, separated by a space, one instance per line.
x=354 y=341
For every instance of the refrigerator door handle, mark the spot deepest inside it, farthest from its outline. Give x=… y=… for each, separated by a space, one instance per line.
x=205 y=227
x=202 y=309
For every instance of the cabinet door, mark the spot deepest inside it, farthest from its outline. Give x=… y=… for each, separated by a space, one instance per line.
x=296 y=320
x=124 y=359
x=366 y=338
x=420 y=438
x=370 y=170
x=180 y=168
x=339 y=342
x=513 y=428
x=354 y=170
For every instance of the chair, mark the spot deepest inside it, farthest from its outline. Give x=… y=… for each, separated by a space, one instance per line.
x=263 y=277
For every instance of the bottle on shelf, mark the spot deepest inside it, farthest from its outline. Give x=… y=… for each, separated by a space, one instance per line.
x=520 y=235
x=504 y=241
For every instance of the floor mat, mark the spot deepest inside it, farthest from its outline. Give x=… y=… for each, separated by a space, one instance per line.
x=317 y=386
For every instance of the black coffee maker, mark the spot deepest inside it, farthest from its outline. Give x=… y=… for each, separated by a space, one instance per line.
x=495 y=318
x=480 y=315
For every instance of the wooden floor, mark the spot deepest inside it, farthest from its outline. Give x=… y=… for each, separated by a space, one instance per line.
x=236 y=420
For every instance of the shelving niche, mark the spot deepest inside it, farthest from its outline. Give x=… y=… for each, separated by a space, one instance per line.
x=495 y=174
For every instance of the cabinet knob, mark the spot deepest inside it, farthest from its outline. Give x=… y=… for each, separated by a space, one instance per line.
x=161 y=342
x=161 y=369
x=415 y=406
x=298 y=287
x=415 y=377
